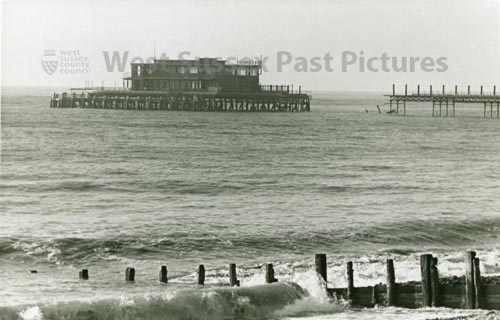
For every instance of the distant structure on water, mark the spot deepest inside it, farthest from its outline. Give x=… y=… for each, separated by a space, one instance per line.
x=205 y=84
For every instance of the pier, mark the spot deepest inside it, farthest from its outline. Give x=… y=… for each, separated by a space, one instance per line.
x=268 y=101
x=444 y=102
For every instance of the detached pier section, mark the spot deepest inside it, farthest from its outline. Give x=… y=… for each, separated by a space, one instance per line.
x=205 y=84
x=140 y=100
x=443 y=102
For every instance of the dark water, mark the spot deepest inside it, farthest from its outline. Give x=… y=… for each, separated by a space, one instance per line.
x=106 y=189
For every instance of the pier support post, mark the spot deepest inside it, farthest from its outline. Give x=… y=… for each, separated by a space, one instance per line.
x=494 y=90
x=233 y=279
x=201 y=274
x=418 y=90
x=425 y=270
x=406 y=89
x=456 y=89
x=320 y=262
x=430 y=89
x=433 y=107
x=481 y=90
x=469 y=280
x=453 y=107
x=270 y=274
x=446 y=107
x=468 y=90
x=84 y=274
x=485 y=109
x=130 y=274
x=350 y=282
x=440 y=107
x=162 y=277
x=393 y=89
x=391 y=284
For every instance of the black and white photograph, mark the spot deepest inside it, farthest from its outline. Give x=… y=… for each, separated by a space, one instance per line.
x=250 y=160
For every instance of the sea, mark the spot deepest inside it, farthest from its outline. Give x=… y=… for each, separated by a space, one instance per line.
x=104 y=190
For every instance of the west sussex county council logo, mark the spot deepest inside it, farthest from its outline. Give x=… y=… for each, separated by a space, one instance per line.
x=50 y=61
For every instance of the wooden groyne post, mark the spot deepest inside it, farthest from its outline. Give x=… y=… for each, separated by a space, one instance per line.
x=425 y=270
x=270 y=273
x=320 y=263
x=84 y=274
x=233 y=279
x=391 y=283
x=130 y=274
x=470 y=299
x=350 y=281
x=162 y=277
x=201 y=274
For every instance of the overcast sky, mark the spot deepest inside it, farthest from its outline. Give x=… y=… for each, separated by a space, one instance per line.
x=466 y=33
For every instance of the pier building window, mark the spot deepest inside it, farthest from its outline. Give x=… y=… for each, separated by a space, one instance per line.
x=181 y=69
x=193 y=70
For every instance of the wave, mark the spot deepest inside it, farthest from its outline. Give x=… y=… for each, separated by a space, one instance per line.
x=397 y=238
x=256 y=302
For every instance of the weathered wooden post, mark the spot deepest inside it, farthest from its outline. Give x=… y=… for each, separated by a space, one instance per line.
x=418 y=90
x=84 y=274
x=320 y=262
x=391 y=284
x=393 y=89
x=434 y=282
x=406 y=89
x=233 y=280
x=494 y=90
x=130 y=274
x=162 y=277
x=468 y=90
x=430 y=89
x=270 y=273
x=477 y=284
x=469 y=280
x=456 y=89
x=481 y=90
x=374 y=295
x=201 y=274
x=350 y=281
x=425 y=270
x=443 y=90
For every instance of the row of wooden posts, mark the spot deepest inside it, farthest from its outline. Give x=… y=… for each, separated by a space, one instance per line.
x=429 y=293
x=163 y=274
x=430 y=285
